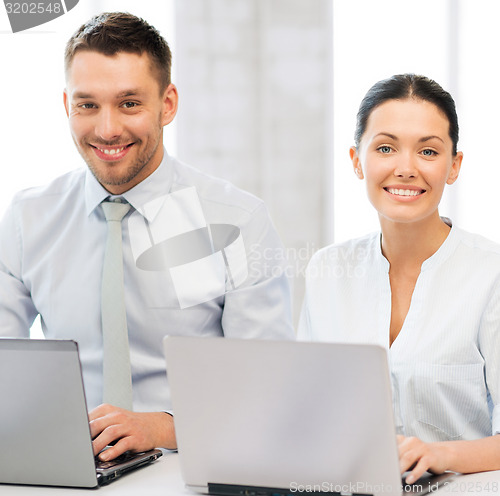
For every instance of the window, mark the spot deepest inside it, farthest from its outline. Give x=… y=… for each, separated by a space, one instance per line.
x=372 y=41
x=448 y=40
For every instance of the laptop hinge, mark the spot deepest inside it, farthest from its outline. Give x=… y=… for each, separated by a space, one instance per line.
x=243 y=490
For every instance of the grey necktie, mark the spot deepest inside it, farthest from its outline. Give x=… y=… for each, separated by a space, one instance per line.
x=117 y=380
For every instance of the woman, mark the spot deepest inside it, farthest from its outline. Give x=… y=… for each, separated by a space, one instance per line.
x=421 y=287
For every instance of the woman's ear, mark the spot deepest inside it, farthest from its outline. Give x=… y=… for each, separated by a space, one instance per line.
x=455 y=168
x=356 y=163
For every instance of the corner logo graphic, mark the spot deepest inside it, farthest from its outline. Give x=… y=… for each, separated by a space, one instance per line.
x=25 y=15
x=204 y=260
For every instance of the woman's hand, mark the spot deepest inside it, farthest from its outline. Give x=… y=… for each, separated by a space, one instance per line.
x=419 y=457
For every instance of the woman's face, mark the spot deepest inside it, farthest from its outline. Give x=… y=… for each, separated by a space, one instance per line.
x=405 y=155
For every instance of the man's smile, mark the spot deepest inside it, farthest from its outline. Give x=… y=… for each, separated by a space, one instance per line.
x=111 y=153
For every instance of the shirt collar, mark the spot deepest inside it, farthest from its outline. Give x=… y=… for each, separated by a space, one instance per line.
x=442 y=253
x=445 y=250
x=146 y=198
x=383 y=263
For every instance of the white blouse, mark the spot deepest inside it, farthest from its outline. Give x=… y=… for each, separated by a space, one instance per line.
x=445 y=362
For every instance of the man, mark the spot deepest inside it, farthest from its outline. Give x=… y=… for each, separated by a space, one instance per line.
x=198 y=254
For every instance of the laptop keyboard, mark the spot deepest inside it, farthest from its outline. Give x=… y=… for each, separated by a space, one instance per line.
x=116 y=461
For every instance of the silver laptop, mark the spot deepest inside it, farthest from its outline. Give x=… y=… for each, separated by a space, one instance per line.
x=44 y=430
x=264 y=418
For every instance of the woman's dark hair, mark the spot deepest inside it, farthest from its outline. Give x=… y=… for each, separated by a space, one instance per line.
x=402 y=87
x=113 y=32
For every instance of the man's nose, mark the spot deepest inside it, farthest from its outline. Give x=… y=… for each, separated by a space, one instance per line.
x=108 y=125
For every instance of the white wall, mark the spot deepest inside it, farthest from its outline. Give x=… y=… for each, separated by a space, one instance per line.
x=452 y=41
x=479 y=107
x=372 y=41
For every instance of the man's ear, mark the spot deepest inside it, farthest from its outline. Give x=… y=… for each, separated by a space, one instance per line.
x=455 y=168
x=66 y=101
x=356 y=163
x=170 y=103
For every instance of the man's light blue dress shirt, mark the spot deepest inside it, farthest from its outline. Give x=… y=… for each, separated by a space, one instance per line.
x=194 y=264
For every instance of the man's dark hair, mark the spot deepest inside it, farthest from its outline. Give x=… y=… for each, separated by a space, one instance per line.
x=113 y=32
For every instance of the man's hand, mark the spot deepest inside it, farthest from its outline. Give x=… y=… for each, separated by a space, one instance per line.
x=419 y=457
x=130 y=430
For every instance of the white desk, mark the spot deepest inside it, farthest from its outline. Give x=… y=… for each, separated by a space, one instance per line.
x=163 y=478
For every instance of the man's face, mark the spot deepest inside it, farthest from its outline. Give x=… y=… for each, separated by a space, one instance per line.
x=116 y=115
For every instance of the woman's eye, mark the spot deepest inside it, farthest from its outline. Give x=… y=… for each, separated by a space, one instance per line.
x=384 y=149
x=428 y=153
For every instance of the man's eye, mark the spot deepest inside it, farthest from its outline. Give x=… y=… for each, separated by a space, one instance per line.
x=87 y=106
x=130 y=105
